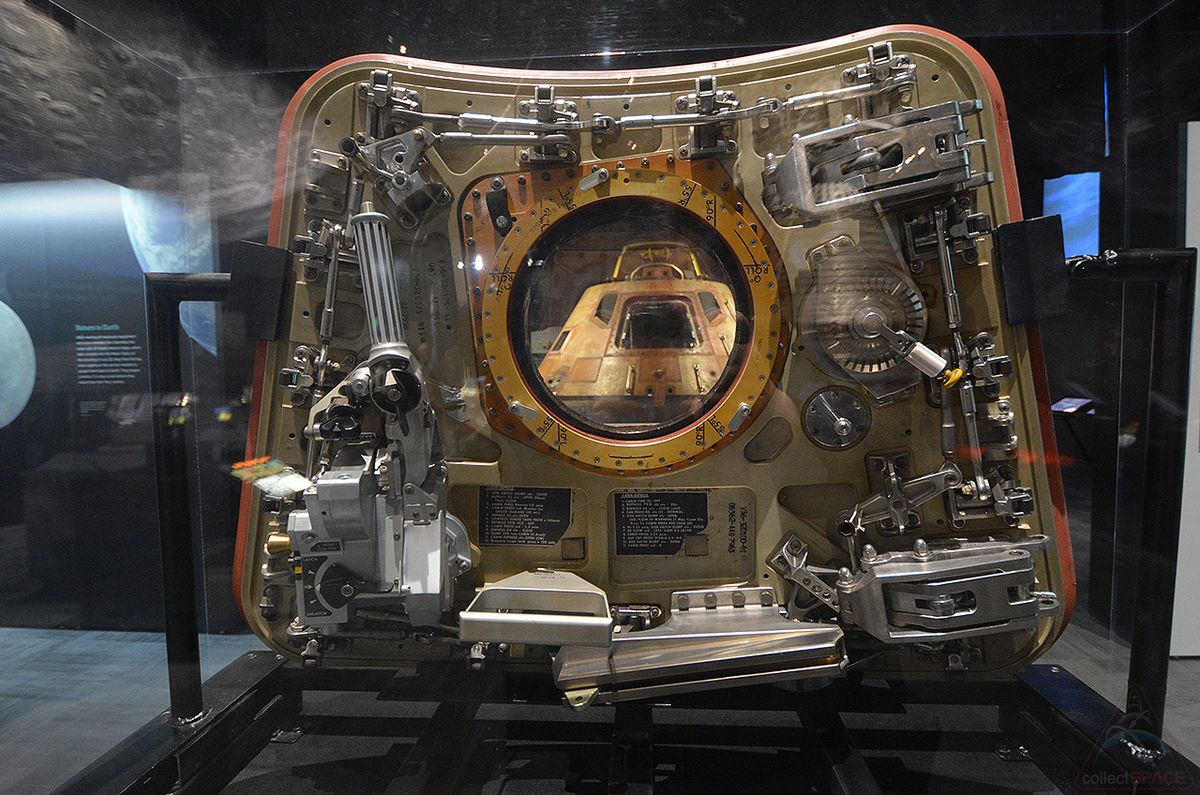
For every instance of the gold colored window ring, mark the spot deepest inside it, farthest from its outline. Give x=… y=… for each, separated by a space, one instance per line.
x=527 y=414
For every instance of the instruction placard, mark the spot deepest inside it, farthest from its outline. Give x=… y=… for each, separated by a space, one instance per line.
x=656 y=522
x=523 y=517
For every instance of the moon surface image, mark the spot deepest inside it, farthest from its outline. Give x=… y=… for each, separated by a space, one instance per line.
x=160 y=235
x=20 y=365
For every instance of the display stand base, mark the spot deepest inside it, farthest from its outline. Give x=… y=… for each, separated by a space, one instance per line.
x=446 y=728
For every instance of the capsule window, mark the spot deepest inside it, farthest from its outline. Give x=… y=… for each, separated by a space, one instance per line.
x=652 y=298
x=658 y=323
x=605 y=308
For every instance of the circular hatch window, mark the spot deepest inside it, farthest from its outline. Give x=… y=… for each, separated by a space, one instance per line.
x=631 y=318
x=628 y=325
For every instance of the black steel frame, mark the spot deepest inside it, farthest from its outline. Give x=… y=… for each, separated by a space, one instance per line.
x=212 y=731
x=164 y=293
x=1171 y=273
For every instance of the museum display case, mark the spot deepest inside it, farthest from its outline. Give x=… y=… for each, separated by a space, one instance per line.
x=659 y=405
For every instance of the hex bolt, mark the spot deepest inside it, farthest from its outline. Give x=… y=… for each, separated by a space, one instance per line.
x=844 y=576
x=869 y=553
x=921 y=548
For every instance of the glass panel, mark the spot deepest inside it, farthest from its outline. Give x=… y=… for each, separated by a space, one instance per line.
x=642 y=303
x=154 y=144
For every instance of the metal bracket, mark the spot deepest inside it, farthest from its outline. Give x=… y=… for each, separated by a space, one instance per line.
x=300 y=378
x=420 y=507
x=894 y=506
x=719 y=637
x=553 y=113
x=394 y=162
x=902 y=156
x=497 y=206
x=987 y=367
x=563 y=609
x=383 y=98
x=790 y=559
x=327 y=181
x=882 y=64
x=546 y=108
x=707 y=139
x=964 y=226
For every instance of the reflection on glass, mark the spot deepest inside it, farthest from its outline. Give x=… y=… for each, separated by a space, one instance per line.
x=631 y=317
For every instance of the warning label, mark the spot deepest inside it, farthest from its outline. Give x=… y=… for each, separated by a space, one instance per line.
x=523 y=517
x=656 y=522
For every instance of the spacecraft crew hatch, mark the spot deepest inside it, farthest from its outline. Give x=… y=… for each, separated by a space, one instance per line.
x=666 y=380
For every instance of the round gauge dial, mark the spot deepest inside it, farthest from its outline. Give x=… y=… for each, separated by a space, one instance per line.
x=836 y=418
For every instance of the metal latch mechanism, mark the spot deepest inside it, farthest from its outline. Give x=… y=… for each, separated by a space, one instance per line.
x=931 y=593
x=902 y=156
x=707 y=139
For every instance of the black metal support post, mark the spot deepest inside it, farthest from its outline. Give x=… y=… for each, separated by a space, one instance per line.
x=1173 y=274
x=164 y=293
x=631 y=763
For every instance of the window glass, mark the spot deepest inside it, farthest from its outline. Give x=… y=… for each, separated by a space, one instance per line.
x=622 y=323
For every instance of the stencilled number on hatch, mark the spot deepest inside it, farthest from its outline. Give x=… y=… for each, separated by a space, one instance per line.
x=502 y=280
x=717 y=426
x=756 y=272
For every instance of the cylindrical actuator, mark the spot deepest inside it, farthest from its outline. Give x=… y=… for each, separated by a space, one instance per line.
x=910 y=349
x=926 y=360
x=380 y=291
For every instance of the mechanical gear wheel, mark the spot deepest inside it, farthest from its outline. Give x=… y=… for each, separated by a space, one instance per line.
x=851 y=285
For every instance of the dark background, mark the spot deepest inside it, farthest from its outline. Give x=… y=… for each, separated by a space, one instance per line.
x=126 y=89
